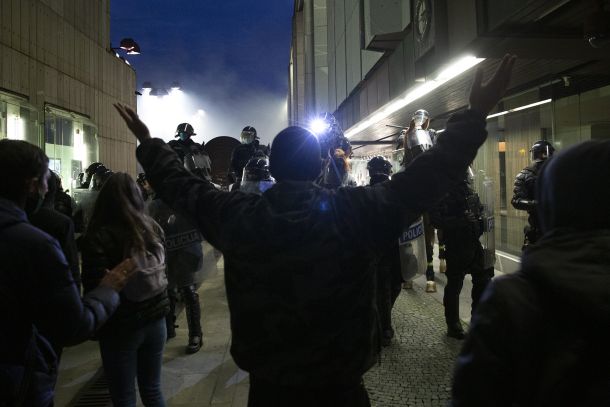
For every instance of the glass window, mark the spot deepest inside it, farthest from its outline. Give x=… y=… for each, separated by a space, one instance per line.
x=18 y=120
x=564 y=122
x=70 y=143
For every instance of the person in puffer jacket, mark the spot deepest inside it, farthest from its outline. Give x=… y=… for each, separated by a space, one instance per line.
x=40 y=304
x=540 y=336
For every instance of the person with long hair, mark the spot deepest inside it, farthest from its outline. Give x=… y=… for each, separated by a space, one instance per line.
x=41 y=309
x=131 y=344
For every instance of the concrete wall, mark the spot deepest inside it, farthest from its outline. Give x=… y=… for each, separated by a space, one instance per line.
x=56 y=52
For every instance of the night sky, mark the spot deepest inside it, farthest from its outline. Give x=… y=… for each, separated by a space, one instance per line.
x=230 y=57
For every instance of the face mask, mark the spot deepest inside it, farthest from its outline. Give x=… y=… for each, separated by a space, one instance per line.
x=33 y=203
x=183 y=136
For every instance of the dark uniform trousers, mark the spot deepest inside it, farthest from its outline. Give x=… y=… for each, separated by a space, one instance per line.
x=464 y=255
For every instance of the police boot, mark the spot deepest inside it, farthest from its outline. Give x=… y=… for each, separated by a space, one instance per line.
x=193 y=318
x=455 y=330
x=170 y=319
x=430 y=284
x=452 y=316
x=407 y=285
x=441 y=257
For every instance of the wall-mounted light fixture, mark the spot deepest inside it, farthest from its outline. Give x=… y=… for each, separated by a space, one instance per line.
x=129 y=46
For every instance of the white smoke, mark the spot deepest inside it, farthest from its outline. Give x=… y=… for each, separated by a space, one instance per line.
x=216 y=105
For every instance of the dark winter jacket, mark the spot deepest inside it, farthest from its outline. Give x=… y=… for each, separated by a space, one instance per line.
x=299 y=286
x=540 y=337
x=61 y=228
x=102 y=249
x=39 y=293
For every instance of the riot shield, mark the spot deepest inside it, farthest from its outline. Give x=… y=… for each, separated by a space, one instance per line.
x=488 y=239
x=412 y=248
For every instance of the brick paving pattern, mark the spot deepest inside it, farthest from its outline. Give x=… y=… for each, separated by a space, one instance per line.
x=416 y=368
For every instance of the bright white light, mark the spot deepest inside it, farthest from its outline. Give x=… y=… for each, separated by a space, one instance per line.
x=15 y=127
x=542 y=102
x=497 y=114
x=80 y=148
x=458 y=67
x=318 y=126
x=516 y=109
x=162 y=114
x=451 y=71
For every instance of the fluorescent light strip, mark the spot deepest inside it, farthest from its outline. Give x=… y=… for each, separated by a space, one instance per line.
x=516 y=109
x=451 y=71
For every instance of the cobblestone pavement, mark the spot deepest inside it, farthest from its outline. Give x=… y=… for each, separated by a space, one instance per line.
x=416 y=368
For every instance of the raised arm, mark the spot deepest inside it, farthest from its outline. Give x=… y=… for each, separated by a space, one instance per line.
x=192 y=196
x=428 y=178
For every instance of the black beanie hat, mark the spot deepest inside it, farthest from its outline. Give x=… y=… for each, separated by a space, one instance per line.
x=573 y=189
x=295 y=155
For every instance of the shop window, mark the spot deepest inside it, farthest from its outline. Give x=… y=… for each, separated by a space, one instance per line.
x=70 y=143
x=564 y=122
x=18 y=119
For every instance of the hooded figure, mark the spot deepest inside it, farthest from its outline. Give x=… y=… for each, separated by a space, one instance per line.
x=540 y=336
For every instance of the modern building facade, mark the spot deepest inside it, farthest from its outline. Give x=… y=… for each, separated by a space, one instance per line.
x=58 y=81
x=375 y=62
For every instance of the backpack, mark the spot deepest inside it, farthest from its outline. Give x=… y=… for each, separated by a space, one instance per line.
x=150 y=278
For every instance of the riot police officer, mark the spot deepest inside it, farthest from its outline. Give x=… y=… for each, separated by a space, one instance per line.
x=193 y=155
x=417 y=139
x=240 y=156
x=524 y=191
x=96 y=175
x=184 y=259
x=459 y=215
x=184 y=255
x=256 y=177
x=88 y=175
x=386 y=263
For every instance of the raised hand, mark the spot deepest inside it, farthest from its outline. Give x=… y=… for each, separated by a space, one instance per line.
x=120 y=275
x=137 y=126
x=483 y=97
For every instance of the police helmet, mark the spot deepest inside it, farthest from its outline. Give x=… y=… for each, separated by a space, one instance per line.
x=92 y=168
x=184 y=131
x=541 y=150
x=248 y=135
x=379 y=165
x=85 y=179
x=257 y=169
x=101 y=175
